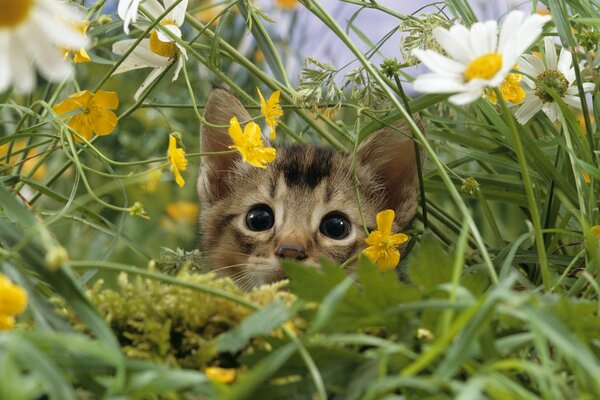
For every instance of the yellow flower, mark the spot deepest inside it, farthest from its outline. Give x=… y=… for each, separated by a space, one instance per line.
x=249 y=144
x=186 y=211
x=13 y=301
x=287 y=4
x=177 y=159
x=93 y=114
x=596 y=231
x=31 y=159
x=510 y=88
x=79 y=56
x=150 y=184
x=6 y=322
x=382 y=242
x=223 y=375
x=271 y=110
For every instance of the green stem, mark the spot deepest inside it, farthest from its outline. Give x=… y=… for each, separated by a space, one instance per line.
x=417 y=153
x=533 y=209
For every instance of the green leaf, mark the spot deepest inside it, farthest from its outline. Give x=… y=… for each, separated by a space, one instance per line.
x=260 y=323
x=430 y=265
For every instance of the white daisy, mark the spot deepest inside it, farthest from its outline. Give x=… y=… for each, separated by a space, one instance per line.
x=128 y=12
x=478 y=57
x=159 y=51
x=33 y=34
x=557 y=74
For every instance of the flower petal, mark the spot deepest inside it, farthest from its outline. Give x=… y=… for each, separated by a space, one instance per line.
x=178 y=13
x=104 y=121
x=435 y=83
x=81 y=124
x=105 y=99
x=564 y=62
x=66 y=106
x=439 y=63
x=152 y=76
x=463 y=98
x=550 y=50
x=385 y=219
x=530 y=106
x=483 y=38
x=455 y=42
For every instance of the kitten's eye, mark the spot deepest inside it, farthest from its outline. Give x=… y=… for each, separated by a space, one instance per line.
x=335 y=226
x=260 y=218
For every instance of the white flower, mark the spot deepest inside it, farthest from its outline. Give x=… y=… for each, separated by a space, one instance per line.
x=159 y=51
x=478 y=57
x=557 y=74
x=34 y=33
x=128 y=11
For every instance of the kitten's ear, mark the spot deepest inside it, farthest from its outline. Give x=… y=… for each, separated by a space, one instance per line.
x=220 y=108
x=390 y=154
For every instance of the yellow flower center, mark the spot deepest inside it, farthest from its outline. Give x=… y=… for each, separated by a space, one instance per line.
x=483 y=67
x=165 y=49
x=14 y=12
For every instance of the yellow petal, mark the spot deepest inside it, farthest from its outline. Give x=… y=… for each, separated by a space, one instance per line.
x=104 y=122
x=106 y=100
x=252 y=134
x=374 y=238
x=13 y=300
x=235 y=131
x=223 y=375
x=65 y=106
x=388 y=260
x=81 y=124
x=81 y=56
x=83 y=98
x=398 y=238
x=6 y=322
x=385 y=219
x=263 y=103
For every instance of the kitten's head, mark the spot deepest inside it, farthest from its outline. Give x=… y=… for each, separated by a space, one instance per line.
x=302 y=206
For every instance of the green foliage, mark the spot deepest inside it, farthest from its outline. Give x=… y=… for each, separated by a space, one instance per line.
x=180 y=327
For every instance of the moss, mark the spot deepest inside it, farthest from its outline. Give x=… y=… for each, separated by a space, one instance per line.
x=173 y=325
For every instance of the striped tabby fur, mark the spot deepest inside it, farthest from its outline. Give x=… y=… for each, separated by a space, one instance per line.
x=304 y=184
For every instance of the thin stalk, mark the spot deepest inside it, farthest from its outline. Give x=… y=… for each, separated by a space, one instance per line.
x=417 y=152
x=527 y=182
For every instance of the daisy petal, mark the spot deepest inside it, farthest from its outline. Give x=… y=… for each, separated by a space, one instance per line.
x=5 y=66
x=551 y=110
x=564 y=62
x=439 y=63
x=163 y=37
x=152 y=76
x=457 y=49
x=509 y=27
x=483 y=37
x=573 y=101
x=550 y=50
x=435 y=83
x=528 y=109
x=178 y=13
x=461 y=99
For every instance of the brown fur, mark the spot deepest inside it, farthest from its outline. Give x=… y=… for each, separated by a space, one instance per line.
x=304 y=184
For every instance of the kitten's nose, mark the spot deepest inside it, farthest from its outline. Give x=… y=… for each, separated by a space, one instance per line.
x=290 y=251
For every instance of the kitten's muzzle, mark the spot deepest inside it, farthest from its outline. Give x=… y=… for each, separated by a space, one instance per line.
x=294 y=252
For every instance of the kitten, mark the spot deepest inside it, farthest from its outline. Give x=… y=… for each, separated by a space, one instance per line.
x=303 y=205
